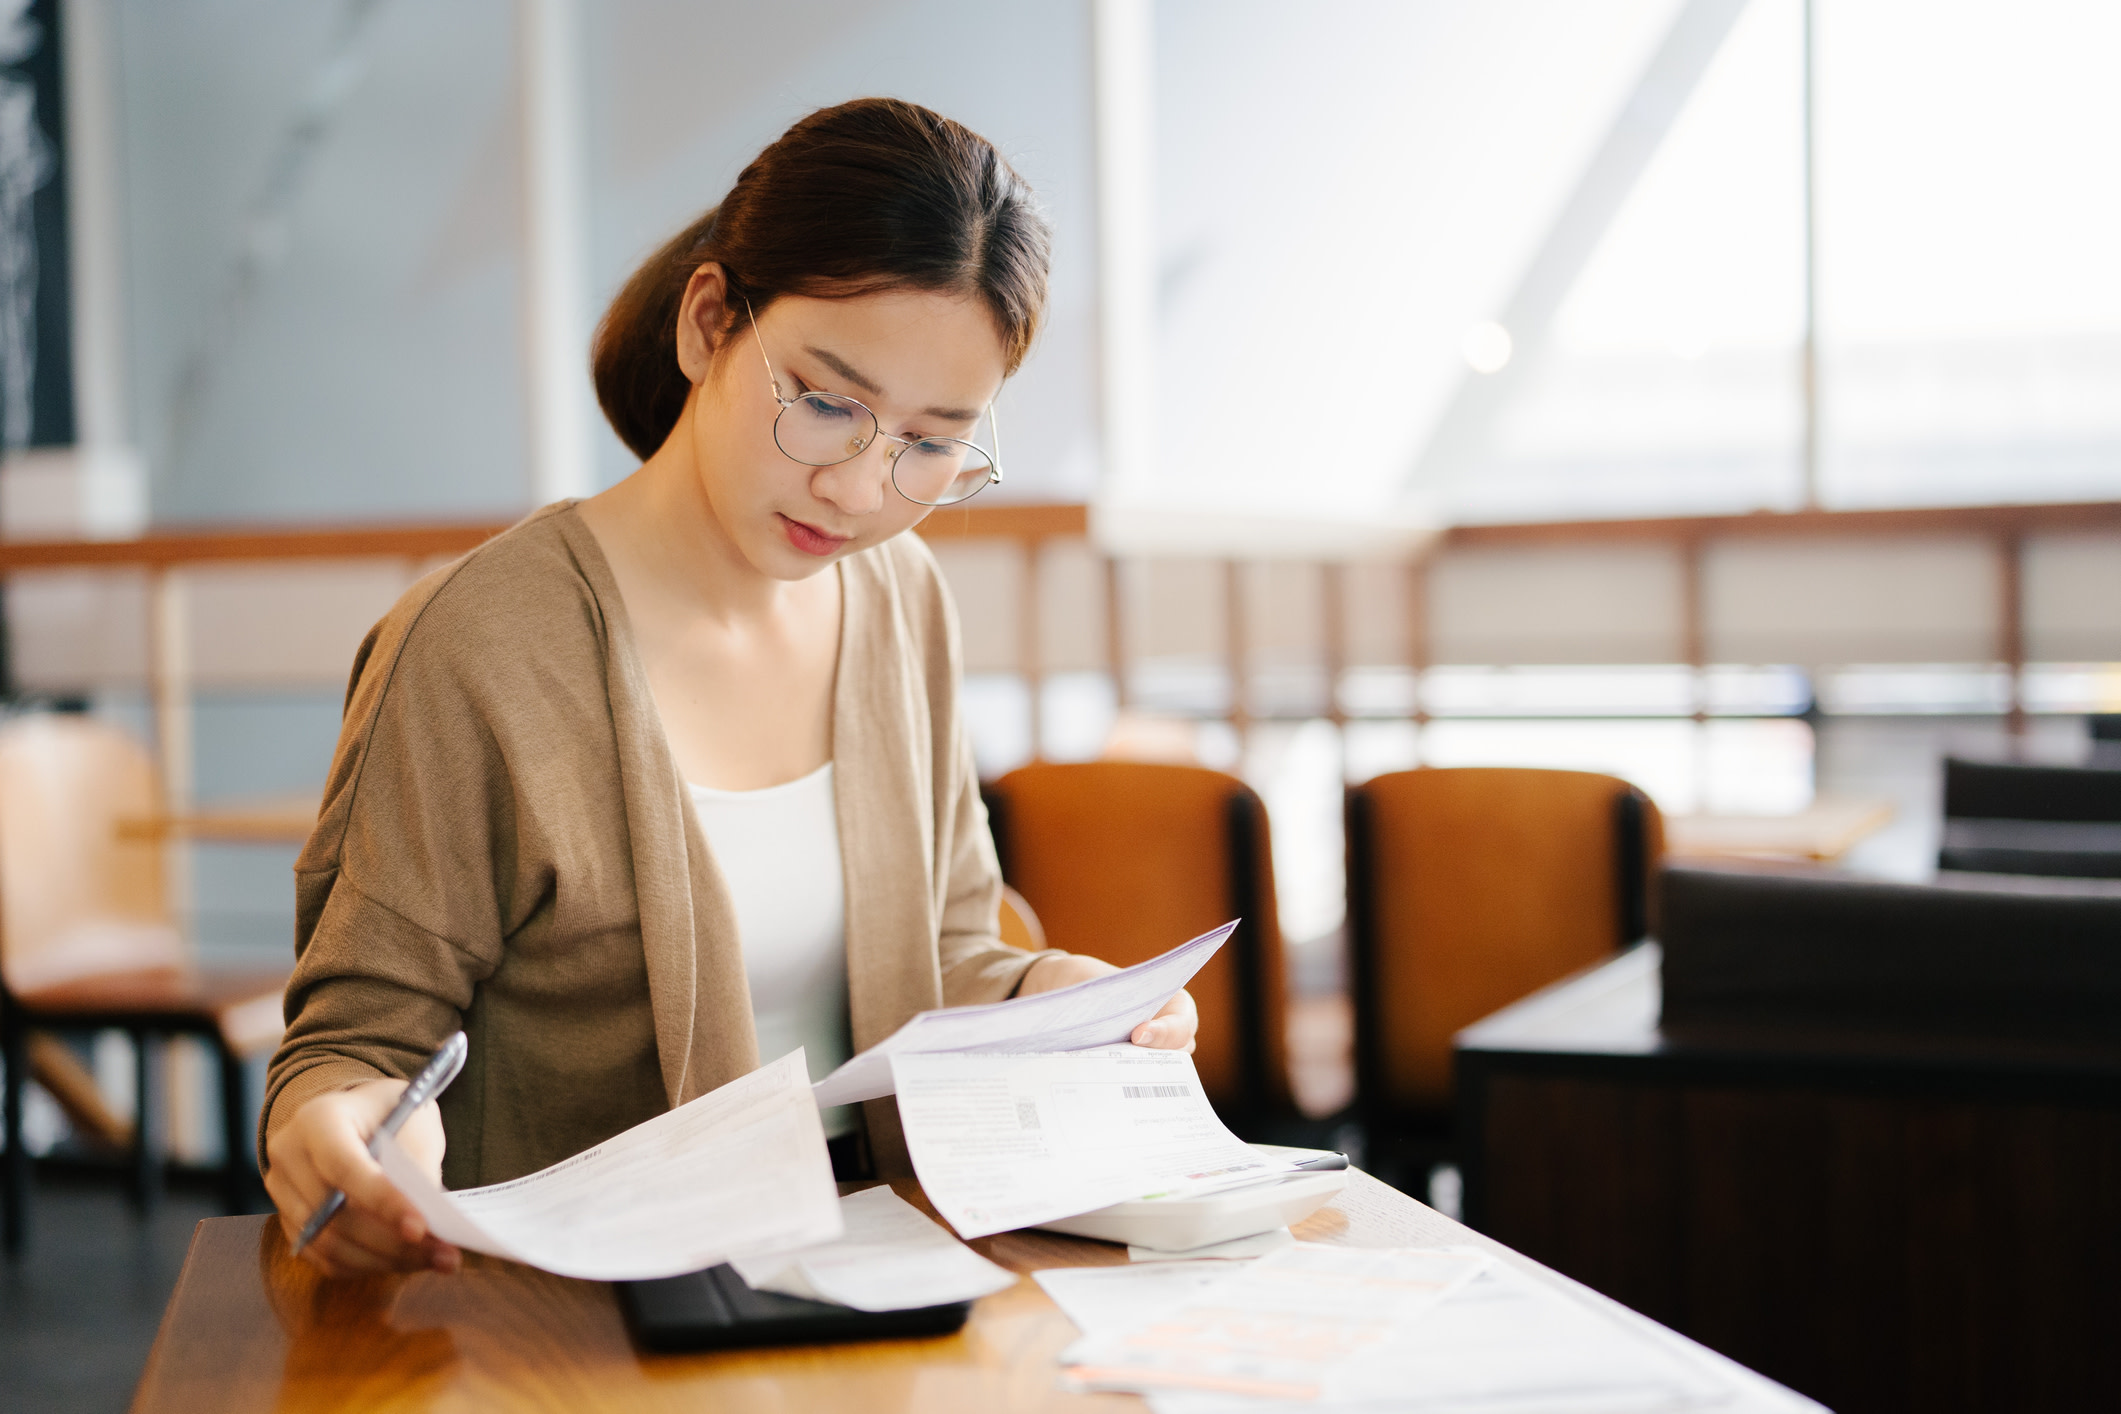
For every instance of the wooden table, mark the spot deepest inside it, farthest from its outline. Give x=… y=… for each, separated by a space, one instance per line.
x=1822 y=832
x=250 y=1328
x=1885 y=1223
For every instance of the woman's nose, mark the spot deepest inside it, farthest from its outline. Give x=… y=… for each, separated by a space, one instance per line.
x=858 y=485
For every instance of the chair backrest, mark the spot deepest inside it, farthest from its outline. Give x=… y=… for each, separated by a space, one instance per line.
x=2009 y=790
x=1469 y=888
x=1127 y=859
x=75 y=898
x=2003 y=817
x=1019 y=924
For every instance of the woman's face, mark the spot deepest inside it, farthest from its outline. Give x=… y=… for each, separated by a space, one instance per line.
x=926 y=364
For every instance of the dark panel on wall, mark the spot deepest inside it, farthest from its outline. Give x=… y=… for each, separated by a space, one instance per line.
x=36 y=344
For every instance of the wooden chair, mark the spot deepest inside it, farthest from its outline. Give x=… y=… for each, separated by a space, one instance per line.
x=1467 y=890
x=1124 y=860
x=86 y=943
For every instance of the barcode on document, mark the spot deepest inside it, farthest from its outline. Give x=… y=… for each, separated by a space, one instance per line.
x=1026 y=1115
x=1154 y=1092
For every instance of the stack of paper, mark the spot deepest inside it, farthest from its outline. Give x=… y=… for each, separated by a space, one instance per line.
x=1003 y=1134
x=1331 y=1330
x=890 y=1258
x=1008 y=1141
x=742 y=1169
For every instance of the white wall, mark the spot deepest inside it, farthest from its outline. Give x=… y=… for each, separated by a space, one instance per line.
x=683 y=94
x=370 y=371
x=370 y=368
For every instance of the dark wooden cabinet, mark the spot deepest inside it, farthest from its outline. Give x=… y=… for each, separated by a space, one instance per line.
x=1917 y=1225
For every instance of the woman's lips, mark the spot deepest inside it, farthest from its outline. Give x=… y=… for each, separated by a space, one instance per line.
x=810 y=540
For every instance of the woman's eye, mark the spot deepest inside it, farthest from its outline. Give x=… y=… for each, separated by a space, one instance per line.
x=826 y=408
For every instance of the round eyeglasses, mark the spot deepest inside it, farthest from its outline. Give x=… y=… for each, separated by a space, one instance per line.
x=825 y=429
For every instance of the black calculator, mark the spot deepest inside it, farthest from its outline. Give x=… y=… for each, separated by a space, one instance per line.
x=715 y=1310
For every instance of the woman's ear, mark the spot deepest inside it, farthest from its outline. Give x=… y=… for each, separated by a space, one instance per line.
x=702 y=315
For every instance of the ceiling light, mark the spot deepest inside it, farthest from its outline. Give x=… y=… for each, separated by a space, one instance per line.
x=1486 y=346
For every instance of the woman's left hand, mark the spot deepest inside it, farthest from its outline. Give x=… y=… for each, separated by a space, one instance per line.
x=1172 y=1029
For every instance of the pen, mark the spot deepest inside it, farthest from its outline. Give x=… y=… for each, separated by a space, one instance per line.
x=433 y=1079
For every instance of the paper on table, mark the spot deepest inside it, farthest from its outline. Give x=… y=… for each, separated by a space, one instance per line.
x=1105 y=1299
x=1496 y=1345
x=890 y=1258
x=1280 y=1327
x=1100 y=1012
x=1237 y=1249
x=740 y=1169
x=1508 y=1339
x=1007 y=1141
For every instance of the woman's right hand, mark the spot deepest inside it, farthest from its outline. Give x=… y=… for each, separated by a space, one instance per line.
x=325 y=1146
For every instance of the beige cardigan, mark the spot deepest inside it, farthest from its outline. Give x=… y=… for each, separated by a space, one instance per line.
x=507 y=846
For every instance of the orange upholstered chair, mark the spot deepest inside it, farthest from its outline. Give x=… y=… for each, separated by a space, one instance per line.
x=1467 y=890
x=1126 y=859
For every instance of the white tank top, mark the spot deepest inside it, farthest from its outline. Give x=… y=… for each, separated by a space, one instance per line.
x=779 y=853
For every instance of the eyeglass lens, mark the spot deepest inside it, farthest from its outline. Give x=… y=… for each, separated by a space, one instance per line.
x=825 y=429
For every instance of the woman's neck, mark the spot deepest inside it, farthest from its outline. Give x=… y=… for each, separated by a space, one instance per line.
x=741 y=665
x=660 y=522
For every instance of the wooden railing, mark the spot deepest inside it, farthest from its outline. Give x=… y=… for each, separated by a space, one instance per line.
x=2006 y=527
x=168 y=670
x=1033 y=527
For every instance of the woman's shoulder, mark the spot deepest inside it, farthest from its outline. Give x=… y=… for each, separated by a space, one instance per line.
x=529 y=589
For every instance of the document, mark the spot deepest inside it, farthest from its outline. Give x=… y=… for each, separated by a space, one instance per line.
x=1285 y=1326
x=1237 y=1249
x=742 y=1169
x=1103 y=1300
x=890 y=1258
x=1100 y=1012
x=1501 y=1342
x=1009 y=1141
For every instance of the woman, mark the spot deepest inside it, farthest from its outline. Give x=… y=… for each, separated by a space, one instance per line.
x=674 y=778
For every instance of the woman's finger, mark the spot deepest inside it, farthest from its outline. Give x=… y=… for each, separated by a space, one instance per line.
x=1173 y=1028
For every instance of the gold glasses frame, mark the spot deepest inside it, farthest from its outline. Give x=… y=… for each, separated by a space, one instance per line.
x=861 y=444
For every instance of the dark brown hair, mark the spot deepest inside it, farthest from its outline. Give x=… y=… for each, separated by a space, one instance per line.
x=872 y=195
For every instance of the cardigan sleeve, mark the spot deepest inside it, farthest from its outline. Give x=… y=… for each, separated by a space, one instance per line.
x=416 y=871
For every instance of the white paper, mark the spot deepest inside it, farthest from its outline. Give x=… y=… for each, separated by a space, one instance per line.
x=1106 y=1299
x=1286 y=1326
x=741 y=1169
x=890 y=1258
x=1009 y=1141
x=1502 y=1343
x=1237 y=1249
x=1100 y=1012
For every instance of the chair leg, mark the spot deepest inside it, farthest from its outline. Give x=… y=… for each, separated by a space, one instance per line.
x=15 y=1202
x=147 y=1122
x=237 y=1175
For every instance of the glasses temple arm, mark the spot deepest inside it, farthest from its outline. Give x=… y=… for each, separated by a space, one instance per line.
x=761 y=342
